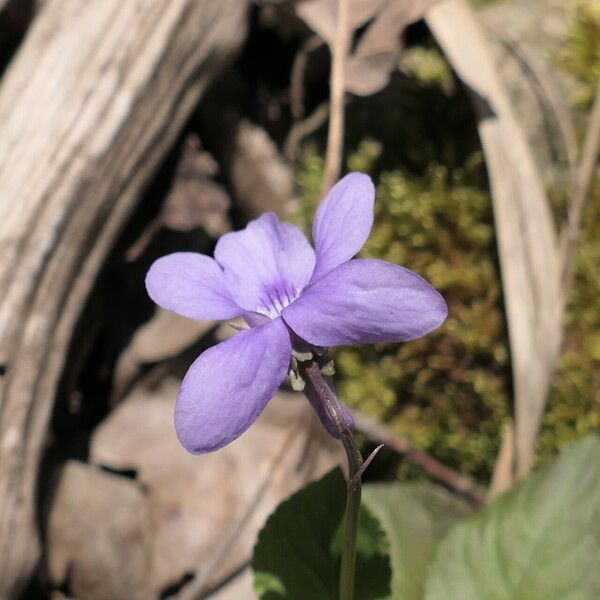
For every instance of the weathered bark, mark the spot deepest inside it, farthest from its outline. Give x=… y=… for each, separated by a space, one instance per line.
x=15 y=17
x=89 y=106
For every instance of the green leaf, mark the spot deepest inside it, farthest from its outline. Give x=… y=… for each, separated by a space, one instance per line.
x=415 y=517
x=539 y=541
x=297 y=556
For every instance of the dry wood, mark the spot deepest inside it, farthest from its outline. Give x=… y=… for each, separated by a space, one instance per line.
x=526 y=237
x=503 y=477
x=335 y=134
x=88 y=108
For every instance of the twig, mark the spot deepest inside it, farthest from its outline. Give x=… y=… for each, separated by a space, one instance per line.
x=378 y=432
x=579 y=195
x=503 y=476
x=303 y=128
x=335 y=137
x=214 y=587
x=297 y=75
x=198 y=587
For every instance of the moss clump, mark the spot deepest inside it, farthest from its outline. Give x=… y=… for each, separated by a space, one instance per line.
x=581 y=57
x=427 y=66
x=448 y=391
x=574 y=404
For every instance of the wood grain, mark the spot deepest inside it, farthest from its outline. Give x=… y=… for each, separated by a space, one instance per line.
x=88 y=108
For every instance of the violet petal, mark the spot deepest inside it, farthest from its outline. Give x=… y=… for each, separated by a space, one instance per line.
x=266 y=264
x=228 y=386
x=366 y=301
x=343 y=222
x=192 y=285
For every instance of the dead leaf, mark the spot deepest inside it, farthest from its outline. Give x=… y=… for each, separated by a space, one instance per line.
x=240 y=587
x=524 y=36
x=320 y=15
x=524 y=228
x=196 y=200
x=503 y=476
x=368 y=68
x=261 y=179
x=164 y=336
x=197 y=501
x=99 y=536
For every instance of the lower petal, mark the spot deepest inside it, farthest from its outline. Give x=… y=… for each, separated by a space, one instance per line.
x=228 y=386
x=366 y=301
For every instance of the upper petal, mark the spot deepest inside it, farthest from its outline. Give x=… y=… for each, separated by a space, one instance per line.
x=228 y=386
x=364 y=301
x=343 y=222
x=191 y=285
x=266 y=264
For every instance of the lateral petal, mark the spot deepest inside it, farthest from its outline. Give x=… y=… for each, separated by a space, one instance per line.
x=366 y=301
x=192 y=285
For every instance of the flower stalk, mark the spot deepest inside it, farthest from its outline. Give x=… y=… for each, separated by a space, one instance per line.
x=353 y=496
x=313 y=375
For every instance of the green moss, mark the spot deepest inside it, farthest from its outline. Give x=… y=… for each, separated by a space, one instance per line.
x=428 y=66
x=450 y=392
x=447 y=391
x=581 y=57
x=574 y=404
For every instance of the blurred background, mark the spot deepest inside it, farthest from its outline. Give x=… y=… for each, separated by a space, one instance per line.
x=129 y=130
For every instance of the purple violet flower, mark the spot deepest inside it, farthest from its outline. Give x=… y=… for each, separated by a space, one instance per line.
x=287 y=292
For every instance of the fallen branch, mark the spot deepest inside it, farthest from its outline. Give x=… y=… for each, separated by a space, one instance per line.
x=297 y=75
x=379 y=433
x=303 y=128
x=89 y=106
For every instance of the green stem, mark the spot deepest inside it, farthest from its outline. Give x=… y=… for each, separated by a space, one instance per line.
x=353 y=495
x=314 y=377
